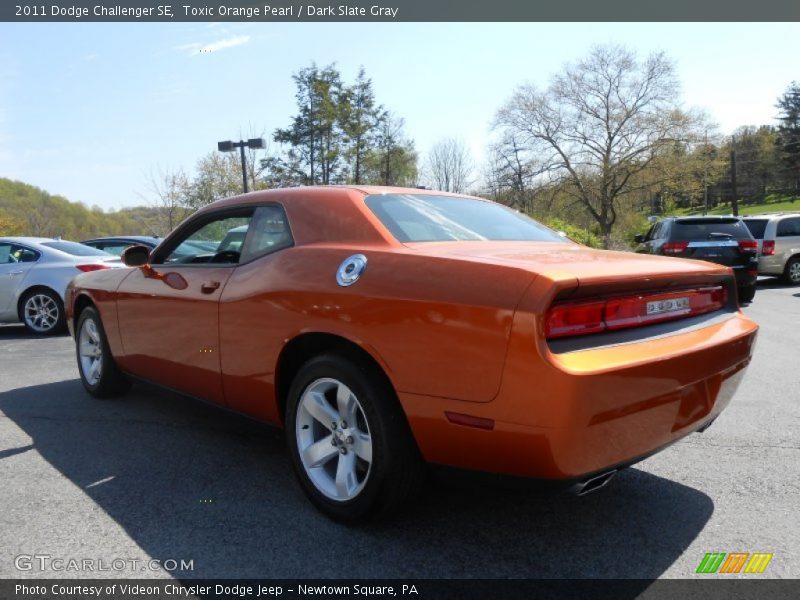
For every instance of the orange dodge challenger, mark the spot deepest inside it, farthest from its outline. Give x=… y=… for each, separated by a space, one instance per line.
x=387 y=328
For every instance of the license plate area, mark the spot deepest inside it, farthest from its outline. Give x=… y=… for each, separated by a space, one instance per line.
x=668 y=305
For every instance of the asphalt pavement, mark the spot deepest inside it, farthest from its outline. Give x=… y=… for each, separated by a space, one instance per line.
x=155 y=476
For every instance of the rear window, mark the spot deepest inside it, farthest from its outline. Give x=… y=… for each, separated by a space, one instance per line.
x=696 y=229
x=75 y=249
x=432 y=218
x=757 y=227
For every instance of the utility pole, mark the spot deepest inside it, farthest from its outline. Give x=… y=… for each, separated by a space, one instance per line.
x=734 y=190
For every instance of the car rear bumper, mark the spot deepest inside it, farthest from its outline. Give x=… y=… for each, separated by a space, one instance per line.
x=585 y=412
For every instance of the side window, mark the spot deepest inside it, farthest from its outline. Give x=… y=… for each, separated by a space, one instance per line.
x=269 y=231
x=789 y=227
x=113 y=248
x=5 y=254
x=215 y=241
x=23 y=254
x=656 y=231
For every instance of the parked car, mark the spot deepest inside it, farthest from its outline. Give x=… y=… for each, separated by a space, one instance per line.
x=34 y=273
x=116 y=244
x=387 y=328
x=722 y=240
x=778 y=237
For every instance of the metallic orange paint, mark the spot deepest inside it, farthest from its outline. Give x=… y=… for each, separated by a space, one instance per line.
x=456 y=326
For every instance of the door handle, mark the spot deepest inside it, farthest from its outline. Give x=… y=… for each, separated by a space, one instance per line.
x=208 y=287
x=16 y=272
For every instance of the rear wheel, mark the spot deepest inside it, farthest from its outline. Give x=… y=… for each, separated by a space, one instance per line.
x=350 y=444
x=747 y=293
x=99 y=373
x=791 y=272
x=42 y=312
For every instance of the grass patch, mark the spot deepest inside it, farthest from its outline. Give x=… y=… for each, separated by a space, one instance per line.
x=777 y=205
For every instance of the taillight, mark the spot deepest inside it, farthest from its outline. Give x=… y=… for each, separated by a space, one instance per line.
x=674 y=247
x=750 y=245
x=768 y=248
x=579 y=318
x=91 y=267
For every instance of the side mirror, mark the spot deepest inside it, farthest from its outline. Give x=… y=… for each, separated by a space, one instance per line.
x=639 y=238
x=136 y=256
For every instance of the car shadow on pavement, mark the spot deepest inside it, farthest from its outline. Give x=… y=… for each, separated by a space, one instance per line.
x=20 y=332
x=188 y=481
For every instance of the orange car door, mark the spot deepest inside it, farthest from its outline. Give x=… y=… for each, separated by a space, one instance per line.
x=169 y=311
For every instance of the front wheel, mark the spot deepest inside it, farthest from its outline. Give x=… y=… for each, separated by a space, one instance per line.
x=351 y=447
x=99 y=373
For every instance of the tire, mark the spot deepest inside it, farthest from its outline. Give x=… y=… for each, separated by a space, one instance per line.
x=746 y=294
x=791 y=272
x=42 y=312
x=367 y=468
x=99 y=372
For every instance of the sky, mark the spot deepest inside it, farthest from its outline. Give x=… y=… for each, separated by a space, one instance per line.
x=91 y=110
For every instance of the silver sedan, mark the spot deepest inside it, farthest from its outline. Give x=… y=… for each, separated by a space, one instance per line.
x=34 y=273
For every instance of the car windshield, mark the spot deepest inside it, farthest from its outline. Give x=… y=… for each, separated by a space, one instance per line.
x=432 y=218
x=75 y=249
x=757 y=227
x=699 y=229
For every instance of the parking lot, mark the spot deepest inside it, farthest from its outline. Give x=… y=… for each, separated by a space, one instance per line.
x=158 y=476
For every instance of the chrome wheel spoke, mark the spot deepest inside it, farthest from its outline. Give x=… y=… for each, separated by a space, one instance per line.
x=362 y=445
x=319 y=453
x=318 y=407
x=346 y=479
x=347 y=405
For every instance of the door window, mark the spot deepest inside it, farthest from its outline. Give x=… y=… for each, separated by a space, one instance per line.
x=216 y=241
x=789 y=227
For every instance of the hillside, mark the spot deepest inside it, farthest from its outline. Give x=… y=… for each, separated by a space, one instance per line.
x=28 y=210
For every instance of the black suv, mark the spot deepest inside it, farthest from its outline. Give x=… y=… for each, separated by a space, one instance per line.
x=722 y=240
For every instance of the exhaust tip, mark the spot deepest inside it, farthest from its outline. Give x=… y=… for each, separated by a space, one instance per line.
x=593 y=483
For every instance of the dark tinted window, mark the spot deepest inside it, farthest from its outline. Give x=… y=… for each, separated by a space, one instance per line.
x=757 y=227
x=697 y=229
x=789 y=227
x=431 y=218
x=74 y=249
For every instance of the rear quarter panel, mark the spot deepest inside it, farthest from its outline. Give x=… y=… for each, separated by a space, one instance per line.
x=438 y=326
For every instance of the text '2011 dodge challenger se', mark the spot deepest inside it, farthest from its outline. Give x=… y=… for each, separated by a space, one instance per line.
x=387 y=328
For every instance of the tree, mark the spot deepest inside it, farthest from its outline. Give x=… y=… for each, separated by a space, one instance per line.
x=599 y=125
x=170 y=192
x=315 y=137
x=360 y=120
x=449 y=166
x=393 y=161
x=10 y=225
x=789 y=135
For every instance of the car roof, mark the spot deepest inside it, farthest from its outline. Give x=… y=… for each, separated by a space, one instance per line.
x=134 y=238
x=28 y=240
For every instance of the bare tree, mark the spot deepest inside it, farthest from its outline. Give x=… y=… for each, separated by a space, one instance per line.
x=449 y=166
x=170 y=192
x=599 y=125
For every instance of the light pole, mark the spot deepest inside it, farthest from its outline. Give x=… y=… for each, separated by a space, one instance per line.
x=229 y=146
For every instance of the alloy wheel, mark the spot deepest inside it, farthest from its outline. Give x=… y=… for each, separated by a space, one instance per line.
x=90 y=350
x=41 y=312
x=794 y=272
x=333 y=439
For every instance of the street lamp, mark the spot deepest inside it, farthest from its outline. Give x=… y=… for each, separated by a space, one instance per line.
x=229 y=146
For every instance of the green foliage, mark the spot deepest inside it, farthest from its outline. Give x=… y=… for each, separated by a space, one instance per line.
x=28 y=210
x=575 y=233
